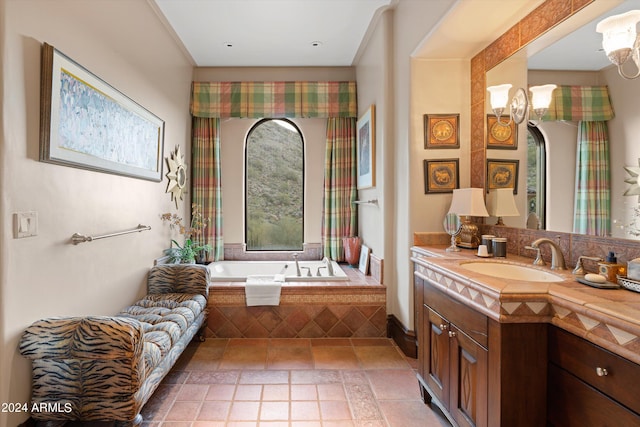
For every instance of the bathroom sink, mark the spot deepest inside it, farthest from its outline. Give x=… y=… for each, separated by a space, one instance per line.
x=511 y=271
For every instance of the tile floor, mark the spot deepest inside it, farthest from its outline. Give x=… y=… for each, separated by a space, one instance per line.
x=328 y=382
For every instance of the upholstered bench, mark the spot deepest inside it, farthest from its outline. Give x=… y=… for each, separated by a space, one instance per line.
x=105 y=368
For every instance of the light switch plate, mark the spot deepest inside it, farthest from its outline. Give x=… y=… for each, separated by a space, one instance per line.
x=25 y=224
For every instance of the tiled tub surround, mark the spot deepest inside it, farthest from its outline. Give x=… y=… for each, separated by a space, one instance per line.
x=353 y=308
x=608 y=318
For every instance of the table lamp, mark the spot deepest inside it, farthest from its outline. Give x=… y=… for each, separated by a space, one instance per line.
x=500 y=202
x=468 y=202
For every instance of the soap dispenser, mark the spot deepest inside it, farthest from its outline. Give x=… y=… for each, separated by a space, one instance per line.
x=610 y=268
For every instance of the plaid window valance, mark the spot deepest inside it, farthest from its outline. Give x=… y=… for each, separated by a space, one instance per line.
x=273 y=99
x=580 y=103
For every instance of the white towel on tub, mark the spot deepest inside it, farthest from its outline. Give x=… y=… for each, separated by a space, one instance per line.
x=263 y=290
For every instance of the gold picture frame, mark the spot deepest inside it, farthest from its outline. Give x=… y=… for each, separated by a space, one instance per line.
x=441 y=176
x=501 y=136
x=442 y=131
x=366 y=148
x=502 y=173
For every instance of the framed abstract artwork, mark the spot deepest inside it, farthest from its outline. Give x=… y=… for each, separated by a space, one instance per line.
x=502 y=174
x=441 y=131
x=366 y=148
x=88 y=124
x=441 y=176
x=501 y=135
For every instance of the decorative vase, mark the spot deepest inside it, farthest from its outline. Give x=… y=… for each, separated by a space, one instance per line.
x=351 y=250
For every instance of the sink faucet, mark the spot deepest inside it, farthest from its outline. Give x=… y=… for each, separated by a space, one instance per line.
x=557 y=259
x=295 y=258
x=329 y=265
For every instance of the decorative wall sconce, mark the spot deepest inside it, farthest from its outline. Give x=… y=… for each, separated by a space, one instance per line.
x=634 y=180
x=501 y=202
x=519 y=107
x=620 y=40
x=468 y=202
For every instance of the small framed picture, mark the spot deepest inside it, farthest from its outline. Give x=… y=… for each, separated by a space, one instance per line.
x=441 y=176
x=363 y=266
x=502 y=174
x=501 y=135
x=366 y=148
x=441 y=131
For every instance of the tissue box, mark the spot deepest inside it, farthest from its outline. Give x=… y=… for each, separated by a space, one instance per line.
x=633 y=269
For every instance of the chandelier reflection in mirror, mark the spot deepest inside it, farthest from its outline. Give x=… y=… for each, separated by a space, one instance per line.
x=519 y=107
x=620 y=40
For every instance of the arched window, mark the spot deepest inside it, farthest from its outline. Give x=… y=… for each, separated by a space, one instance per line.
x=274 y=187
x=536 y=175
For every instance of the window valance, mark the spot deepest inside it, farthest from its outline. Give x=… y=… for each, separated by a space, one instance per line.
x=580 y=103
x=274 y=99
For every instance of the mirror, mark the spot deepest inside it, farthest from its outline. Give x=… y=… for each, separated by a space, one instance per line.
x=543 y=61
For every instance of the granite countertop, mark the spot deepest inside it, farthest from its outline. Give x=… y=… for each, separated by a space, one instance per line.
x=607 y=317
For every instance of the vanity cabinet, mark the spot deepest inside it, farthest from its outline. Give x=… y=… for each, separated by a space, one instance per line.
x=588 y=385
x=478 y=371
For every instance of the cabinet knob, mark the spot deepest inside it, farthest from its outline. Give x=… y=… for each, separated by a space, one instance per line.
x=601 y=372
x=443 y=326
x=452 y=334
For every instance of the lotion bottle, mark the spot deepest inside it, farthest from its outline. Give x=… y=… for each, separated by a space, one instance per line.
x=610 y=268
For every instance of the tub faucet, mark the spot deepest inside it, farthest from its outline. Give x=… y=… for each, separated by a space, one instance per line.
x=557 y=259
x=329 y=265
x=295 y=258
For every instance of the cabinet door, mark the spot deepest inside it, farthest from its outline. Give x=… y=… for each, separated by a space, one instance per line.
x=468 y=392
x=436 y=352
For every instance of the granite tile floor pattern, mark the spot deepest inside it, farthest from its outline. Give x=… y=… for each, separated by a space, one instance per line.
x=323 y=382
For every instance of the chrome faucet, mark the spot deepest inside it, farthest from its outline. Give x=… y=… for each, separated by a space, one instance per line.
x=557 y=258
x=329 y=265
x=295 y=258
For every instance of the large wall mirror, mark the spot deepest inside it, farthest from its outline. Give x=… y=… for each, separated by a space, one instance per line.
x=570 y=54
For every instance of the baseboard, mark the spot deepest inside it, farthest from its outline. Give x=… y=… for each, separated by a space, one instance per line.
x=404 y=338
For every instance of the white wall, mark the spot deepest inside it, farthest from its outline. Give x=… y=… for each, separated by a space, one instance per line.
x=45 y=275
x=385 y=77
x=233 y=134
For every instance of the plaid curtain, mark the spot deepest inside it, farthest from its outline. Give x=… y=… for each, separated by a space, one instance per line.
x=592 y=209
x=336 y=101
x=576 y=103
x=274 y=99
x=340 y=180
x=205 y=180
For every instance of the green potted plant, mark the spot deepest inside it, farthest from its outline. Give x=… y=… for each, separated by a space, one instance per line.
x=192 y=248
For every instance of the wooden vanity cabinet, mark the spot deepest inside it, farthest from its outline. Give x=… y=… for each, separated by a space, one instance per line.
x=590 y=386
x=478 y=371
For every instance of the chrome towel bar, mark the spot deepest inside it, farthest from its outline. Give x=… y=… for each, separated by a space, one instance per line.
x=366 y=202
x=81 y=238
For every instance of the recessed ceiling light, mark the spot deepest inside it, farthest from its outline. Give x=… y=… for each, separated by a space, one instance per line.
x=316 y=43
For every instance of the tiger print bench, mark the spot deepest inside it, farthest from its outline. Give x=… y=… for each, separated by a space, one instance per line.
x=105 y=368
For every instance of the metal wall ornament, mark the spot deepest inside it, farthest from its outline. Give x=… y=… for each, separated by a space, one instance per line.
x=177 y=175
x=634 y=180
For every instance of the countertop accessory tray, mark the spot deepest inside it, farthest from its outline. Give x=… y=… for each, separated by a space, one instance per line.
x=632 y=285
x=605 y=285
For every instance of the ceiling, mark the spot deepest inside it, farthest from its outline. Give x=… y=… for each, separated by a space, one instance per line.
x=268 y=33
x=580 y=50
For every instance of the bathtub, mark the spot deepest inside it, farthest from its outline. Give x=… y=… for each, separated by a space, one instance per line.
x=237 y=271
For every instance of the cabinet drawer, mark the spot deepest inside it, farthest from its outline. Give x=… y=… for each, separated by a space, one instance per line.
x=582 y=358
x=471 y=322
x=573 y=403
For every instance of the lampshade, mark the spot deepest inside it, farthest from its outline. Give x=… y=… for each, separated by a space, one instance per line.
x=619 y=31
x=501 y=202
x=499 y=95
x=468 y=202
x=541 y=96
